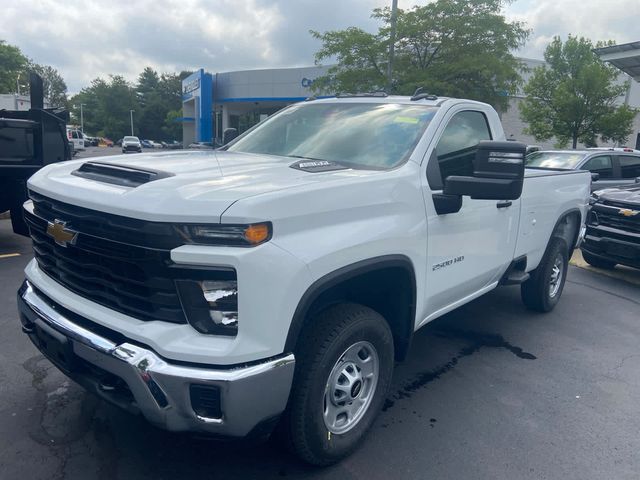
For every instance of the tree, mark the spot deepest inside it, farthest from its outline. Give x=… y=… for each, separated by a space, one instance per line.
x=106 y=107
x=158 y=96
x=12 y=66
x=55 y=88
x=575 y=97
x=451 y=47
x=156 y=99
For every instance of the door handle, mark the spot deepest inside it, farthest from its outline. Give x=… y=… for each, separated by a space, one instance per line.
x=505 y=204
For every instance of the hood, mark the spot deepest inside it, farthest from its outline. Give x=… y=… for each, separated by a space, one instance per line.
x=186 y=186
x=628 y=195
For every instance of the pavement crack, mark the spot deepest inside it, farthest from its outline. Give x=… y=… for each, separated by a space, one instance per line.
x=604 y=291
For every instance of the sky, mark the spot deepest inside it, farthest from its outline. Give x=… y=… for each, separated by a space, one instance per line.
x=85 y=39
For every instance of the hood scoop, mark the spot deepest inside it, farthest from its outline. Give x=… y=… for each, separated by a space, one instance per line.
x=118 y=174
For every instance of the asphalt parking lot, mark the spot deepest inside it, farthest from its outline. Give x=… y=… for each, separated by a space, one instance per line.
x=490 y=391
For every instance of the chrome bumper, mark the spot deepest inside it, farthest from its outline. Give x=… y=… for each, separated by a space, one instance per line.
x=249 y=396
x=581 y=235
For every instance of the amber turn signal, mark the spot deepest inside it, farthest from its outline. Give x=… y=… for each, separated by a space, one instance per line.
x=257 y=233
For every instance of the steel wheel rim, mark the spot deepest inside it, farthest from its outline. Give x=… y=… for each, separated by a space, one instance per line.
x=351 y=387
x=557 y=272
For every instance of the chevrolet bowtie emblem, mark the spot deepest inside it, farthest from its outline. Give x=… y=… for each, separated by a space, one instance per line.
x=61 y=234
x=627 y=212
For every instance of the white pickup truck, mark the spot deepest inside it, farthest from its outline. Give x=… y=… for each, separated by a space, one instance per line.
x=275 y=281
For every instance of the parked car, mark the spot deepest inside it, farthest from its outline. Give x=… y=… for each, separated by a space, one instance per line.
x=613 y=228
x=105 y=142
x=75 y=136
x=155 y=144
x=615 y=167
x=172 y=145
x=533 y=148
x=131 y=144
x=90 y=141
x=284 y=280
x=146 y=143
x=614 y=149
x=201 y=145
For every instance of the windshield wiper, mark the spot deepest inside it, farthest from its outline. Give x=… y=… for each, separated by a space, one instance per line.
x=310 y=158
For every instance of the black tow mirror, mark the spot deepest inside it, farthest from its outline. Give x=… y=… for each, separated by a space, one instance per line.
x=595 y=176
x=228 y=135
x=498 y=173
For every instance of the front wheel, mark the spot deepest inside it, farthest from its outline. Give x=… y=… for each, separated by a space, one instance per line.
x=343 y=372
x=543 y=289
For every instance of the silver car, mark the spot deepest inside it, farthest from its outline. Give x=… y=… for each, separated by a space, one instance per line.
x=614 y=166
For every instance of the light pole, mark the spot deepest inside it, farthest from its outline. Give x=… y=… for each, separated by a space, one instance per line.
x=131 y=113
x=82 y=118
x=392 y=41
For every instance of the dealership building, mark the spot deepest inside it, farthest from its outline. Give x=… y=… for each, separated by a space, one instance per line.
x=214 y=102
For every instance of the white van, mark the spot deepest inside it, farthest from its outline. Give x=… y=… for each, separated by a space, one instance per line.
x=75 y=136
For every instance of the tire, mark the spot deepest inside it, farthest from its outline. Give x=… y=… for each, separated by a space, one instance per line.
x=326 y=358
x=597 y=262
x=544 y=288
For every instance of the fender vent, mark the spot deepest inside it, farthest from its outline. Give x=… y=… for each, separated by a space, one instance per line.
x=118 y=174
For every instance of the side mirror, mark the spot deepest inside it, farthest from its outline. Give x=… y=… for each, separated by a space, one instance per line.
x=498 y=173
x=595 y=176
x=637 y=179
x=228 y=135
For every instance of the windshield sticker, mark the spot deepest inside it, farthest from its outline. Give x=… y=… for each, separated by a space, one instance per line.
x=401 y=119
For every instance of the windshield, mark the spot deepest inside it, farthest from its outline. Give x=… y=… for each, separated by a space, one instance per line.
x=359 y=135
x=565 y=160
x=131 y=139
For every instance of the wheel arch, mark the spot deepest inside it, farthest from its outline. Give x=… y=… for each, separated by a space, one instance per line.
x=393 y=295
x=566 y=229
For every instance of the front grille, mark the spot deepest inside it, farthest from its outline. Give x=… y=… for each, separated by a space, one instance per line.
x=133 y=279
x=611 y=218
x=132 y=231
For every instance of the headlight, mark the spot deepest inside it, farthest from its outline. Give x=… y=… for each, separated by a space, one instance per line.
x=211 y=306
x=228 y=235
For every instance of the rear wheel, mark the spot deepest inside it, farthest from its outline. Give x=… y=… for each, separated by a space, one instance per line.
x=543 y=289
x=597 y=262
x=343 y=373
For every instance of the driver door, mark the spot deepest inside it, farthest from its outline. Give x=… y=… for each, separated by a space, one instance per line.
x=469 y=250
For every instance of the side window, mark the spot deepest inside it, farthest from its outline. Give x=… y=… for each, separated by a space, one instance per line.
x=629 y=166
x=456 y=148
x=601 y=165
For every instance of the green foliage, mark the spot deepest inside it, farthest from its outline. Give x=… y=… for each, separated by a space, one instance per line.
x=458 y=48
x=14 y=72
x=574 y=98
x=55 y=88
x=156 y=100
x=106 y=105
x=12 y=65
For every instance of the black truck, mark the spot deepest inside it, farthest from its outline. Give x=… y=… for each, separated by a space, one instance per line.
x=613 y=228
x=29 y=140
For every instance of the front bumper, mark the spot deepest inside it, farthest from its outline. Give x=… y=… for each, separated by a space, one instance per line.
x=236 y=401
x=613 y=245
